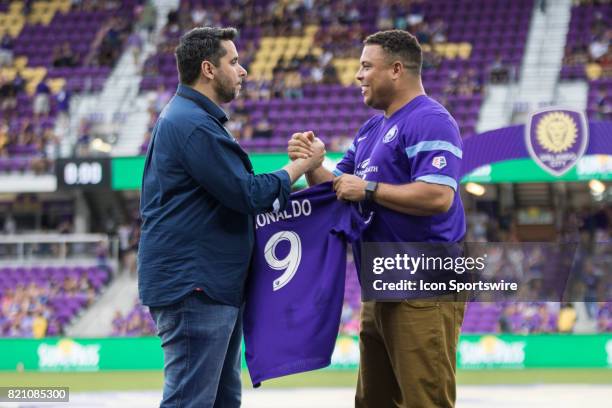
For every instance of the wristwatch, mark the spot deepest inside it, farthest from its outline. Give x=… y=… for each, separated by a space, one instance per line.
x=370 y=188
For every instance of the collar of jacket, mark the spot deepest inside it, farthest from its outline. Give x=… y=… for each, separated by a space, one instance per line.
x=202 y=101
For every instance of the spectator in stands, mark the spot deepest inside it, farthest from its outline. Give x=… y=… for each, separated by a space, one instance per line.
x=133 y=248
x=6 y=51
x=106 y=47
x=148 y=17
x=603 y=105
x=184 y=17
x=262 y=129
x=19 y=83
x=39 y=326
x=604 y=317
x=277 y=87
x=29 y=134
x=438 y=31
x=416 y=13
x=63 y=56
x=591 y=279
x=134 y=42
x=606 y=64
x=4 y=137
x=293 y=85
x=62 y=103
x=81 y=147
x=41 y=102
x=162 y=97
x=330 y=74
x=238 y=120
x=498 y=71
x=145 y=142
x=8 y=93
x=118 y=324
x=567 y=318
x=199 y=15
x=599 y=46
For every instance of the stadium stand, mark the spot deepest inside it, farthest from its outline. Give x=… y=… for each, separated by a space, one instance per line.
x=41 y=301
x=137 y=322
x=302 y=62
x=49 y=52
x=588 y=55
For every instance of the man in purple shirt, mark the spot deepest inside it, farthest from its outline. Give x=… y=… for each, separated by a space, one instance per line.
x=404 y=165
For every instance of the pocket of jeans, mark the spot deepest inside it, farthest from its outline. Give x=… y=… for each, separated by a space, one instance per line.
x=166 y=318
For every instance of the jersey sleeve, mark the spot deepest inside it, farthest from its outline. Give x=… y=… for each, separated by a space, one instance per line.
x=435 y=157
x=347 y=164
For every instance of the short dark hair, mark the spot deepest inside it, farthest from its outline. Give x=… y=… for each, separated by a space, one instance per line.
x=399 y=44
x=197 y=45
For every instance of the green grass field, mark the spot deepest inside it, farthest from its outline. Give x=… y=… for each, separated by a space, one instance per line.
x=144 y=380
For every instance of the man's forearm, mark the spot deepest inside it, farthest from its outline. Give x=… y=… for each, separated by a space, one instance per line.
x=318 y=176
x=417 y=198
x=296 y=169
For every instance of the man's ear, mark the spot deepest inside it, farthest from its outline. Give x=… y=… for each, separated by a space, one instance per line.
x=207 y=69
x=398 y=69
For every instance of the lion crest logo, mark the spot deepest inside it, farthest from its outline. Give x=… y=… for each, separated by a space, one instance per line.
x=556 y=139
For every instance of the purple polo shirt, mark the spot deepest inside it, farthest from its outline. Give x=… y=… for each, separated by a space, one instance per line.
x=419 y=142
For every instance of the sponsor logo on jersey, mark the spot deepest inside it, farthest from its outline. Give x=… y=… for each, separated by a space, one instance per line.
x=439 y=162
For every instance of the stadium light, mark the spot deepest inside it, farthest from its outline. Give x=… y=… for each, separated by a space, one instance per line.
x=597 y=187
x=475 y=189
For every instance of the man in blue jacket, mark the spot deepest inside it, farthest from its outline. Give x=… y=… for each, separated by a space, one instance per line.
x=199 y=195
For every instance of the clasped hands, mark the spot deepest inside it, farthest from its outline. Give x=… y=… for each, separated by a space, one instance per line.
x=307 y=146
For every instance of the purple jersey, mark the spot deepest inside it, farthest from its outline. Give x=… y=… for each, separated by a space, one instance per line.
x=295 y=289
x=419 y=142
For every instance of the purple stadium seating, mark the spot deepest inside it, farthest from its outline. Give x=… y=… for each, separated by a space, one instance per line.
x=37 y=43
x=583 y=29
x=61 y=292
x=492 y=27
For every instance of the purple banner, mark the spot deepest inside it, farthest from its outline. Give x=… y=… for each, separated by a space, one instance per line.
x=509 y=143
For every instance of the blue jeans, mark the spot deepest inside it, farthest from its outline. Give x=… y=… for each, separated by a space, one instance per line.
x=201 y=343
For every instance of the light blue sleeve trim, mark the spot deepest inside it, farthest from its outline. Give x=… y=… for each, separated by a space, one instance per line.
x=439 y=179
x=352 y=147
x=337 y=173
x=433 y=145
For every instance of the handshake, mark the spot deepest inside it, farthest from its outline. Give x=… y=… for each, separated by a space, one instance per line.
x=306 y=150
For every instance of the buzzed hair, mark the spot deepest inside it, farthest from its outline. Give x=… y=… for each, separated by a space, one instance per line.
x=200 y=44
x=399 y=44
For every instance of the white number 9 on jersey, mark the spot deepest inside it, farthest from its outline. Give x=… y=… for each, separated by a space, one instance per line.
x=289 y=263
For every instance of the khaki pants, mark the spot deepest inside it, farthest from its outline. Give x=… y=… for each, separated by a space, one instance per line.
x=408 y=354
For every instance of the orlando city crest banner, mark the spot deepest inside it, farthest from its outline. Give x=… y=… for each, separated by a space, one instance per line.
x=556 y=139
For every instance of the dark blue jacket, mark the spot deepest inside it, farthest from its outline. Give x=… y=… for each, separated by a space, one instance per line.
x=197 y=202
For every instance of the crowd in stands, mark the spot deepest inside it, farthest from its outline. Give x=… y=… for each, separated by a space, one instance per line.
x=588 y=54
x=34 y=108
x=39 y=302
x=593 y=45
x=604 y=316
x=342 y=26
x=137 y=322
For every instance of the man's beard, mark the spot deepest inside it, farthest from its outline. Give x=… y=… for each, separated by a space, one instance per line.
x=225 y=90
